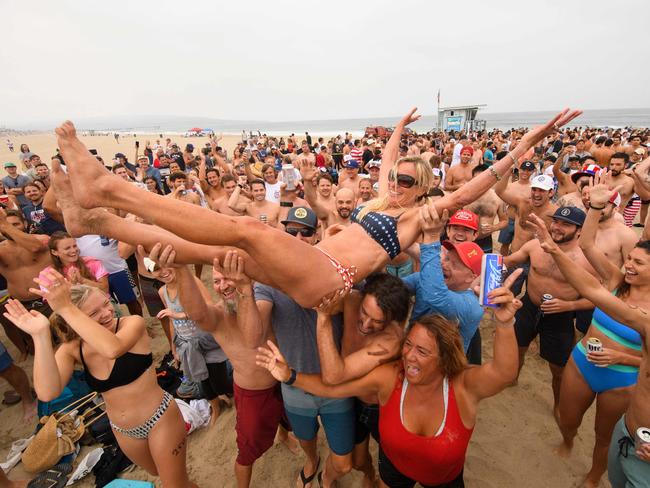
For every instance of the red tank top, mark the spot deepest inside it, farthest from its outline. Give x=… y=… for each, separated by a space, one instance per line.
x=428 y=460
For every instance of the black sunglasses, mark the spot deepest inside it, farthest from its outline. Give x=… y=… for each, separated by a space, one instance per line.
x=304 y=231
x=405 y=181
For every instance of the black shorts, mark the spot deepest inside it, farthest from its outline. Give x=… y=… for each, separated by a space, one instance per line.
x=556 y=333
x=366 y=421
x=150 y=287
x=583 y=319
x=394 y=479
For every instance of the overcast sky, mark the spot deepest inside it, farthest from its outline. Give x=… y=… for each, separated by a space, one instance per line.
x=281 y=60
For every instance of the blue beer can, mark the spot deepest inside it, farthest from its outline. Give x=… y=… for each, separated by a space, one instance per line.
x=491 y=276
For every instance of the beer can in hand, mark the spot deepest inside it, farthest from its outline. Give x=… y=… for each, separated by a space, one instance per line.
x=491 y=277
x=594 y=345
x=642 y=437
x=263 y=218
x=546 y=297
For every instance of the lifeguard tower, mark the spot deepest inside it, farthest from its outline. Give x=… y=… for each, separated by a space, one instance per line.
x=461 y=118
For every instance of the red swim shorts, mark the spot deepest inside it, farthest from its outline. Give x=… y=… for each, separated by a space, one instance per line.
x=259 y=412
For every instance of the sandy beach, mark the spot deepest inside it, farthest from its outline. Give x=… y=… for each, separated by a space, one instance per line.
x=512 y=444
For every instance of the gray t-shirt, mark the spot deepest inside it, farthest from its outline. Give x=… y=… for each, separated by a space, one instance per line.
x=19 y=182
x=295 y=329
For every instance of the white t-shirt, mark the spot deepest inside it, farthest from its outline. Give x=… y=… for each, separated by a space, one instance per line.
x=455 y=159
x=273 y=192
x=104 y=249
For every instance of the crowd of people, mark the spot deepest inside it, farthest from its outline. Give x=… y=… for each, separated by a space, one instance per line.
x=346 y=275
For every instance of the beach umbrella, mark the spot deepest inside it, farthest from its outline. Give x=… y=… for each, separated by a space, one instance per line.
x=195 y=129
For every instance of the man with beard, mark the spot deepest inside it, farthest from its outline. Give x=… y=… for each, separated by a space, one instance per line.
x=260 y=208
x=22 y=257
x=344 y=199
x=258 y=401
x=295 y=329
x=373 y=329
x=551 y=319
x=617 y=178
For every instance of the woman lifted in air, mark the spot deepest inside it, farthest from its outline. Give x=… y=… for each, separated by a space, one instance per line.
x=383 y=228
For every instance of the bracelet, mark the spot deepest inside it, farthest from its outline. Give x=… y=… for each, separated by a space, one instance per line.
x=514 y=160
x=494 y=173
x=596 y=208
x=292 y=378
x=286 y=204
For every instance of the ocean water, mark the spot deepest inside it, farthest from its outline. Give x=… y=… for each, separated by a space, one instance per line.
x=637 y=117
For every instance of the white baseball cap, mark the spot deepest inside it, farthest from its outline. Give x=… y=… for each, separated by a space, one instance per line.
x=543 y=182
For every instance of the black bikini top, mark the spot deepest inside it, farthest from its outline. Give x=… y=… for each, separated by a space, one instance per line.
x=126 y=369
x=382 y=228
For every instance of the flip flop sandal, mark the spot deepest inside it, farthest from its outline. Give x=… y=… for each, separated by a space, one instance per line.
x=11 y=398
x=55 y=477
x=304 y=479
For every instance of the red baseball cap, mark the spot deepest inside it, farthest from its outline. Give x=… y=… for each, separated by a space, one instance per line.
x=469 y=149
x=464 y=218
x=469 y=253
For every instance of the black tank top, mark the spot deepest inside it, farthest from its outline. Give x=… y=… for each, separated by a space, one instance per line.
x=126 y=369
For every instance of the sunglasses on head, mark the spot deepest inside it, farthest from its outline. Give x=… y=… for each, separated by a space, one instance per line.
x=303 y=231
x=405 y=181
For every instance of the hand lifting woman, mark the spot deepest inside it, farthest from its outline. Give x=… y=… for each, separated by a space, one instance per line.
x=341 y=260
x=117 y=361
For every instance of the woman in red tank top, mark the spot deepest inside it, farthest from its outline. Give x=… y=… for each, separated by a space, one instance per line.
x=428 y=399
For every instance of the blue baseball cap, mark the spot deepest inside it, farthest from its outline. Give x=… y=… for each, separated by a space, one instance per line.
x=352 y=163
x=572 y=215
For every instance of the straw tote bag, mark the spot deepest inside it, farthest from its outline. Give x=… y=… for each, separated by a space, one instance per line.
x=59 y=433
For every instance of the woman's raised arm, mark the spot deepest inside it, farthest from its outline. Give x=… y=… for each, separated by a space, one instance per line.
x=391 y=151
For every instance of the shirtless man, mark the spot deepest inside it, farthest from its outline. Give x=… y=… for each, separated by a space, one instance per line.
x=257 y=395
x=344 y=203
x=373 y=329
x=617 y=178
x=349 y=177
x=519 y=188
x=260 y=208
x=551 y=319
x=365 y=192
x=538 y=201
x=488 y=207
x=602 y=153
x=178 y=183
x=229 y=184
x=211 y=183
x=461 y=173
x=22 y=257
x=579 y=180
x=635 y=143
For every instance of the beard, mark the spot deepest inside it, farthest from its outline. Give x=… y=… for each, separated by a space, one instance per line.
x=566 y=238
x=614 y=172
x=344 y=213
x=230 y=306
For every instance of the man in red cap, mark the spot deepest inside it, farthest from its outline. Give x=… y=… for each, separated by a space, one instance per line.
x=443 y=285
x=461 y=173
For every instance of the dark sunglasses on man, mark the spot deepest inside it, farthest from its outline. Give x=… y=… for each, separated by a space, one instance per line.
x=304 y=231
x=405 y=181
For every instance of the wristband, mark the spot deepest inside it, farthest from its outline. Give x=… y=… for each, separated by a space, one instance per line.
x=494 y=173
x=596 y=208
x=292 y=378
x=286 y=204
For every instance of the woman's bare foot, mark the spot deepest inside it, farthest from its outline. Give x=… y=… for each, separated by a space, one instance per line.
x=78 y=221
x=93 y=186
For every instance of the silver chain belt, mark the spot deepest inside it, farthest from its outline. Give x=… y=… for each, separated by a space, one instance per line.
x=142 y=431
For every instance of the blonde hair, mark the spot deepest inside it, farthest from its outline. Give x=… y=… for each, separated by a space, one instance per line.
x=450 y=344
x=423 y=179
x=63 y=332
